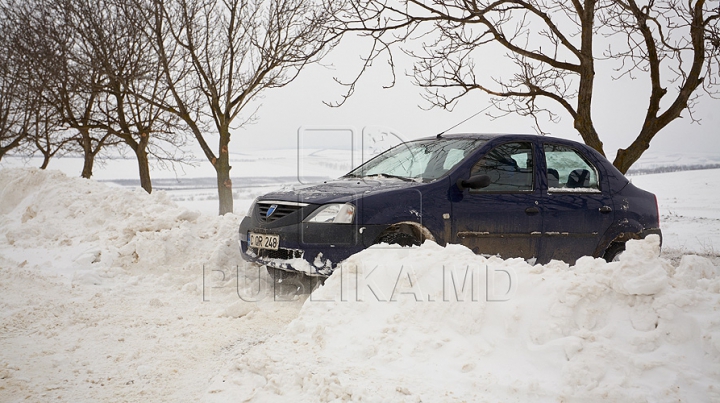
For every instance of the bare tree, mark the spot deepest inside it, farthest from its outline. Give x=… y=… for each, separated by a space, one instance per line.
x=71 y=77
x=14 y=118
x=94 y=65
x=26 y=121
x=218 y=56
x=553 y=50
x=112 y=32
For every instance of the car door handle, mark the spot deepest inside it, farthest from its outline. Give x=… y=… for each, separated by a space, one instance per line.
x=532 y=210
x=605 y=209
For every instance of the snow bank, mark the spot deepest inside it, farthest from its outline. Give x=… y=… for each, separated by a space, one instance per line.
x=108 y=294
x=115 y=227
x=438 y=324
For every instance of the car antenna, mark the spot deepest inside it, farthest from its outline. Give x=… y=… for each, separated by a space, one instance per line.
x=475 y=114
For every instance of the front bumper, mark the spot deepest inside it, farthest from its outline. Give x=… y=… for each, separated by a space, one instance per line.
x=314 y=249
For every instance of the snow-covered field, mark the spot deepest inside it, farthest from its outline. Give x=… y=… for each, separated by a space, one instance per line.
x=111 y=294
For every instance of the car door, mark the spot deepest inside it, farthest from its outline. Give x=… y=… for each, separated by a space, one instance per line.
x=577 y=207
x=503 y=218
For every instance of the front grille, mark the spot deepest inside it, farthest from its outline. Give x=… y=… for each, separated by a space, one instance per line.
x=281 y=253
x=281 y=210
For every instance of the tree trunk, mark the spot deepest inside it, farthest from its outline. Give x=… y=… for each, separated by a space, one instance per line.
x=628 y=156
x=88 y=154
x=143 y=162
x=583 y=120
x=144 y=169
x=222 y=167
x=88 y=166
x=46 y=160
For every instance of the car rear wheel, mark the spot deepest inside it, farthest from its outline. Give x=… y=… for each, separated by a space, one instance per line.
x=612 y=254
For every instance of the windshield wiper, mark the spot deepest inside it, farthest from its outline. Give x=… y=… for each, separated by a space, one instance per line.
x=405 y=178
x=384 y=175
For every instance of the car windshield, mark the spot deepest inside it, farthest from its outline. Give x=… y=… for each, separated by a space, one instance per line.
x=424 y=160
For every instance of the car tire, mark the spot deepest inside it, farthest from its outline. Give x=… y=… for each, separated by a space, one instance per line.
x=398 y=238
x=613 y=252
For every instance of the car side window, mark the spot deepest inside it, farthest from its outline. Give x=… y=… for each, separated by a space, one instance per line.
x=509 y=166
x=568 y=171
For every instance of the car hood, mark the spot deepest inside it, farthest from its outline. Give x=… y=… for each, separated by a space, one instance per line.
x=339 y=190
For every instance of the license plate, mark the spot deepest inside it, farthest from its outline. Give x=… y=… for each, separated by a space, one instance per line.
x=264 y=241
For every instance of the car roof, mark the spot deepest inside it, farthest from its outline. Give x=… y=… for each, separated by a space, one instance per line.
x=481 y=136
x=509 y=136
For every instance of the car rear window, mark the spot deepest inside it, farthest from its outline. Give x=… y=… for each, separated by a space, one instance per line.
x=568 y=171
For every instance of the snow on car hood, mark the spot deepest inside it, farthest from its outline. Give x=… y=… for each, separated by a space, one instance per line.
x=339 y=190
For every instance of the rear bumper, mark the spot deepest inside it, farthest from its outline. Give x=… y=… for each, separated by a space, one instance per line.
x=652 y=231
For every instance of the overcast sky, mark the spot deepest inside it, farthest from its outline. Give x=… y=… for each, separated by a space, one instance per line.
x=618 y=110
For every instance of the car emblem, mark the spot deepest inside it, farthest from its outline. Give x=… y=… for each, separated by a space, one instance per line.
x=271 y=210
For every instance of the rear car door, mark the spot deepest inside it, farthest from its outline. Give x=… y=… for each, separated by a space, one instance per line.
x=503 y=218
x=577 y=206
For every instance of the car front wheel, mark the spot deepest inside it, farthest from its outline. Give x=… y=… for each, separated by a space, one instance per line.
x=398 y=238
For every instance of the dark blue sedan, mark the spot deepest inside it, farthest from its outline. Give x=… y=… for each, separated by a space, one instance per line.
x=527 y=196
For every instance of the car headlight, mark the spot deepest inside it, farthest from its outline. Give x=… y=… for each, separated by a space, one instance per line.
x=250 y=209
x=333 y=213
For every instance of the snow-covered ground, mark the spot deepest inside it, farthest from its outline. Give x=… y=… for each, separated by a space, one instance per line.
x=111 y=294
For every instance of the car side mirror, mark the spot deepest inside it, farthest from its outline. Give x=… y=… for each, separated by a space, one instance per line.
x=474 y=182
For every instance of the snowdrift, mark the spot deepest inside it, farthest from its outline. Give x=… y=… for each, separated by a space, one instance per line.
x=115 y=226
x=436 y=324
x=110 y=294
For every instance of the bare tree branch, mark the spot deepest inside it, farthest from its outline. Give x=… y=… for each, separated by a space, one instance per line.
x=218 y=57
x=551 y=45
